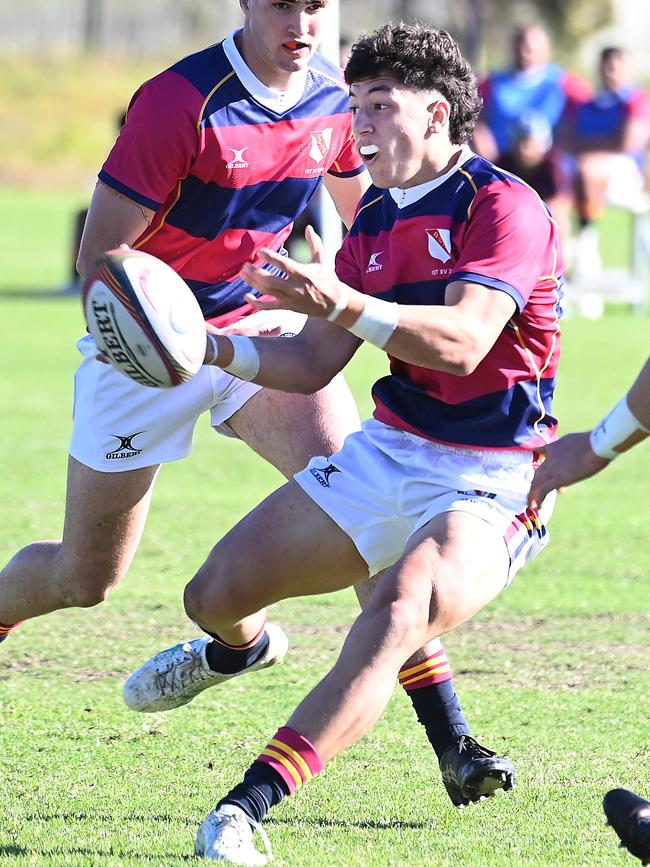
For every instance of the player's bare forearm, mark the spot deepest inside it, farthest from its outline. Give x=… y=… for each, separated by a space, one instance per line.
x=453 y=337
x=569 y=460
x=638 y=397
x=572 y=457
x=302 y=364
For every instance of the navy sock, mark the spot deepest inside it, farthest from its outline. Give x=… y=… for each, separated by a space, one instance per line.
x=438 y=710
x=261 y=789
x=227 y=659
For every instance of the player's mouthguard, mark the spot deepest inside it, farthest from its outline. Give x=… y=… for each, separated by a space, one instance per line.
x=368 y=150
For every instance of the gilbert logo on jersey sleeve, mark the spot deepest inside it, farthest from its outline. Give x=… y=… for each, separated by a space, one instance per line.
x=320 y=143
x=373 y=262
x=439 y=244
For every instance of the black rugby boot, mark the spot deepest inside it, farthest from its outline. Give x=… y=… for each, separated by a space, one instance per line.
x=472 y=773
x=629 y=816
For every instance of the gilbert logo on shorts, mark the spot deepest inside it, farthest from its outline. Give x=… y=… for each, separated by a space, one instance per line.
x=322 y=474
x=125 y=449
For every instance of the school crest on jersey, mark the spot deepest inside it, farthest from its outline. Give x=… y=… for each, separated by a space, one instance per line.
x=320 y=143
x=439 y=244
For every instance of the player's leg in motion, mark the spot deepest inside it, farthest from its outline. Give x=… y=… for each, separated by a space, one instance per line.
x=287 y=430
x=104 y=519
x=452 y=568
x=470 y=772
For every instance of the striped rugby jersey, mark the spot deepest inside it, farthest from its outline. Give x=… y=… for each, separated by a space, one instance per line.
x=227 y=164
x=480 y=224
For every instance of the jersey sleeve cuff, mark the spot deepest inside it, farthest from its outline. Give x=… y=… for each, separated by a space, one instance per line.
x=339 y=174
x=492 y=283
x=124 y=190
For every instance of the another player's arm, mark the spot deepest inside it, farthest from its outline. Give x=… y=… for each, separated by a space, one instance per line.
x=113 y=219
x=578 y=456
x=304 y=363
x=346 y=193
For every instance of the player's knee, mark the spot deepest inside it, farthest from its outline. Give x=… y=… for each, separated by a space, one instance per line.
x=212 y=597
x=82 y=592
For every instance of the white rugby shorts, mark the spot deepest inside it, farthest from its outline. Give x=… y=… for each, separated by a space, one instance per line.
x=120 y=425
x=384 y=484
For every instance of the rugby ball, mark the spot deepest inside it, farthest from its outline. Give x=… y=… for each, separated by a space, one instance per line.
x=144 y=318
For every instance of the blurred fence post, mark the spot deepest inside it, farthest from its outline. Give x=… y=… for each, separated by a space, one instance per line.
x=474 y=32
x=93 y=24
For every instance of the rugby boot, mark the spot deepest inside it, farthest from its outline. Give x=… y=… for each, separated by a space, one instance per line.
x=226 y=834
x=175 y=676
x=472 y=773
x=629 y=816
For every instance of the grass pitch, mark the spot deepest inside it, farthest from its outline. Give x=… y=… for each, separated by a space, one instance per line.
x=554 y=673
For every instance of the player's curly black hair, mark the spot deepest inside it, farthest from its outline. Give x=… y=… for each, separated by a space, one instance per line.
x=421 y=58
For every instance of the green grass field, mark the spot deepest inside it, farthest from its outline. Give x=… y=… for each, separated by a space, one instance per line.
x=554 y=673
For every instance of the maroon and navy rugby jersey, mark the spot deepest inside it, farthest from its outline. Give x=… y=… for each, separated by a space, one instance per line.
x=475 y=223
x=227 y=164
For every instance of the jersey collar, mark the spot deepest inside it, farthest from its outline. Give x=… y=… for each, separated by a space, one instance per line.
x=404 y=198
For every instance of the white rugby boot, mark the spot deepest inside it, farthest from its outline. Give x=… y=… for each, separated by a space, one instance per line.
x=175 y=676
x=226 y=835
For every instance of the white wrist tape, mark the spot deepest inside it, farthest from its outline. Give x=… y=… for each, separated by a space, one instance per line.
x=213 y=351
x=341 y=303
x=377 y=322
x=245 y=362
x=617 y=432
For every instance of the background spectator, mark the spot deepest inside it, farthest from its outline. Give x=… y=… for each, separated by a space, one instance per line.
x=610 y=137
x=533 y=158
x=532 y=84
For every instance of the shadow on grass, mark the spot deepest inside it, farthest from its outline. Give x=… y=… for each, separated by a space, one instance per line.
x=151 y=858
x=361 y=824
x=34 y=293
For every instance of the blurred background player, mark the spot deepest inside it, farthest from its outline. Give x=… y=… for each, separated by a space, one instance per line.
x=216 y=158
x=441 y=268
x=570 y=459
x=531 y=84
x=609 y=137
x=533 y=158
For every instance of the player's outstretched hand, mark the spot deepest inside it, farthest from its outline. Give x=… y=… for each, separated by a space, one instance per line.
x=570 y=459
x=312 y=288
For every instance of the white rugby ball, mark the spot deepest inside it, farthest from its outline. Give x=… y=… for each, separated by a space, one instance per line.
x=144 y=318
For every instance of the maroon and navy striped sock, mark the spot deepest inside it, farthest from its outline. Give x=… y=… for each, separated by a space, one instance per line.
x=6 y=629
x=430 y=687
x=288 y=761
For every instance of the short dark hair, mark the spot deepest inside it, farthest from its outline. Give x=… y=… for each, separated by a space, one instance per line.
x=610 y=52
x=421 y=58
